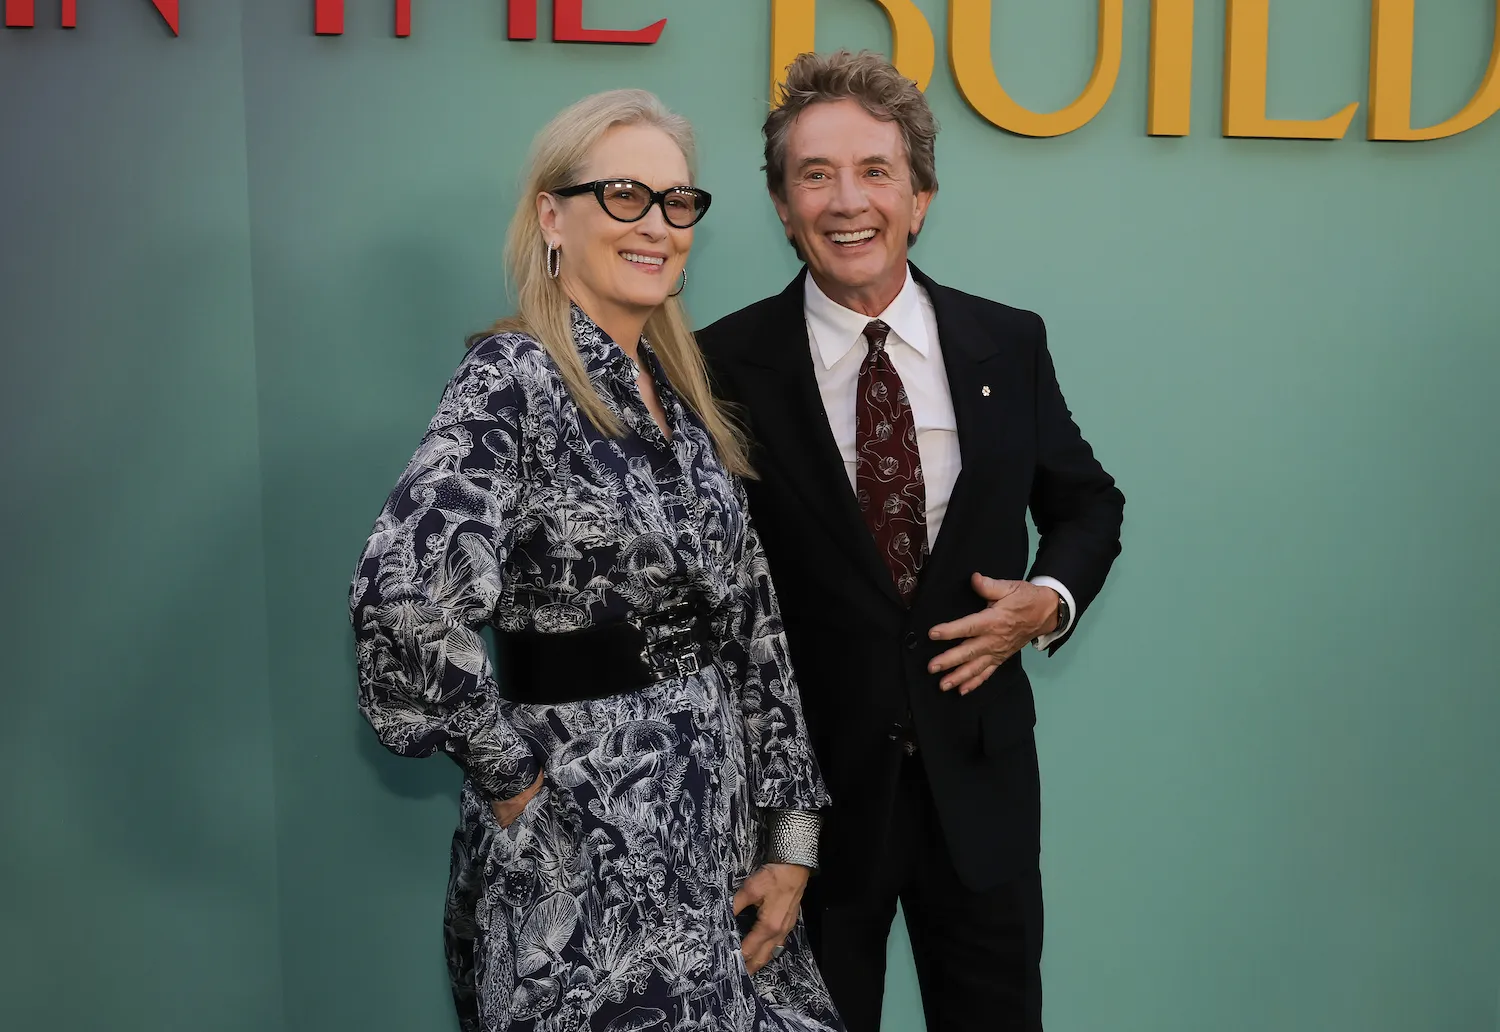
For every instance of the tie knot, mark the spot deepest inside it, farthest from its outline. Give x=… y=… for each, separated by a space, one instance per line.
x=875 y=332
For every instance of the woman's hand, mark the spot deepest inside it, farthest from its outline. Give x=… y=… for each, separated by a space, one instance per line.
x=507 y=810
x=776 y=892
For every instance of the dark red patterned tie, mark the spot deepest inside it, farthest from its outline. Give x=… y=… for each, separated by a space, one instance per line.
x=888 y=470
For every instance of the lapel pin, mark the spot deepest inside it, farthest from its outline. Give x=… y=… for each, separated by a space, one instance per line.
x=985 y=390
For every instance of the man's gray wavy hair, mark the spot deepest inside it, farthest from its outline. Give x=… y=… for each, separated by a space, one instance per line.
x=868 y=79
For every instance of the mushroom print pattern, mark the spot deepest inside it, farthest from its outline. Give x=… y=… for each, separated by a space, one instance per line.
x=608 y=903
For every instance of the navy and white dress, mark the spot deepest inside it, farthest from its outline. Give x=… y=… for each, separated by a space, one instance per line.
x=608 y=904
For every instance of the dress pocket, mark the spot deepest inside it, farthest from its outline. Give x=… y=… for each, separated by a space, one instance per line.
x=505 y=840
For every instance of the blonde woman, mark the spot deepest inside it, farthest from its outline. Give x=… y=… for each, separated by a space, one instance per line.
x=638 y=772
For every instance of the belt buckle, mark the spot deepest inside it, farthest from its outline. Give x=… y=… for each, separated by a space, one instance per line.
x=672 y=647
x=663 y=664
x=659 y=665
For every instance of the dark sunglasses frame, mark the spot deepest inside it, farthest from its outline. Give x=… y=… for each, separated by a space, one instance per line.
x=658 y=198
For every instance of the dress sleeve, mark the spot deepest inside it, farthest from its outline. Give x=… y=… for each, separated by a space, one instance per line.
x=783 y=773
x=431 y=575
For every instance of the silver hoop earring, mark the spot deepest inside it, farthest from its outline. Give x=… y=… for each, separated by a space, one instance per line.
x=681 y=286
x=554 y=260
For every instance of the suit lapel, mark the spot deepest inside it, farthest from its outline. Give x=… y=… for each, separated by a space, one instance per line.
x=793 y=430
x=987 y=387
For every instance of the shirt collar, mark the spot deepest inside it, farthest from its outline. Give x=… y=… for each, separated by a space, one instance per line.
x=607 y=364
x=601 y=355
x=836 y=330
x=598 y=351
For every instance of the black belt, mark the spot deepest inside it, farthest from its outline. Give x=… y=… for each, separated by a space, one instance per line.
x=536 y=668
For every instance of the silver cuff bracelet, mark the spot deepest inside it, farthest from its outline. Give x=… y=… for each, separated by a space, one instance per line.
x=793 y=837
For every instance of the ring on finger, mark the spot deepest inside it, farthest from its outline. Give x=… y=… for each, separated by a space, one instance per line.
x=777 y=950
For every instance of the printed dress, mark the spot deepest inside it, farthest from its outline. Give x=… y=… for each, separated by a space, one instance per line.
x=608 y=904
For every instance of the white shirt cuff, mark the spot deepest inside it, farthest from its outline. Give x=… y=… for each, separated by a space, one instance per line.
x=1043 y=642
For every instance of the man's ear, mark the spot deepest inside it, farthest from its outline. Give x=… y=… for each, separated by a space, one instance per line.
x=921 y=202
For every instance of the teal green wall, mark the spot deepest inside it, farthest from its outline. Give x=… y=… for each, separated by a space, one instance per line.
x=236 y=268
x=137 y=813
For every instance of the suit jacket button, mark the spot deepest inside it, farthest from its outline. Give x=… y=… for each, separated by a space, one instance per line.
x=911 y=639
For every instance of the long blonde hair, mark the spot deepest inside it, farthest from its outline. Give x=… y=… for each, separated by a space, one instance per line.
x=543 y=308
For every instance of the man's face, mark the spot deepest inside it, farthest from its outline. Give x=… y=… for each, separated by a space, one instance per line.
x=850 y=203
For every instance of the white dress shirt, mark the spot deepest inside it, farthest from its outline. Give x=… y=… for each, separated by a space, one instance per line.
x=836 y=335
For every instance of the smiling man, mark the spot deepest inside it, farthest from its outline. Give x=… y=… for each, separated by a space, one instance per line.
x=902 y=430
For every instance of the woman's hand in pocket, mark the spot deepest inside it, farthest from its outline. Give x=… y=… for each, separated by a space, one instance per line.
x=507 y=810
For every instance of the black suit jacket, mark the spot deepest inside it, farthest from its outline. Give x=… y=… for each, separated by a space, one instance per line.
x=860 y=654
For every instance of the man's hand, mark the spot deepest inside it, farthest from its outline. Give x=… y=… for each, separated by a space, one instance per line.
x=507 y=810
x=776 y=892
x=1017 y=612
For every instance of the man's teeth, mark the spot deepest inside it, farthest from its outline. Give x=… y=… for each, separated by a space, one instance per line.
x=852 y=238
x=643 y=259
